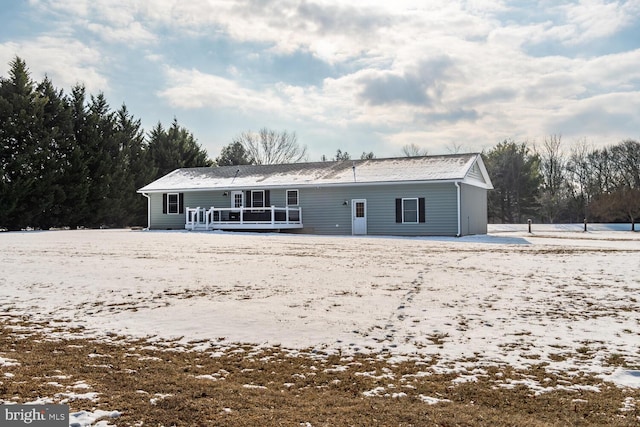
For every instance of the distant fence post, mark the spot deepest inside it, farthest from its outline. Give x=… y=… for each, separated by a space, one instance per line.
x=529 y=225
x=585 y=224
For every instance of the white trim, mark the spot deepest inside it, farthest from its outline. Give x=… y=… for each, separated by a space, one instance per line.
x=483 y=171
x=473 y=183
x=253 y=199
x=177 y=212
x=286 y=195
x=459 y=210
x=417 y=221
x=233 y=198
x=354 y=203
x=148 y=210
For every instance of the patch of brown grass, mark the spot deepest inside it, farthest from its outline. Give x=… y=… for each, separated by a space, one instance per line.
x=165 y=383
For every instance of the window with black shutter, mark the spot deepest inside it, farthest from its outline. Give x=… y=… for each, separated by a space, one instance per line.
x=172 y=203
x=411 y=210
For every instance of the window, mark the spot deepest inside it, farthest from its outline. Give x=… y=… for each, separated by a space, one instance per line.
x=411 y=210
x=292 y=197
x=257 y=198
x=172 y=203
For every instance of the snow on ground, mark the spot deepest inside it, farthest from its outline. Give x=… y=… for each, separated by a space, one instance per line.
x=564 y=297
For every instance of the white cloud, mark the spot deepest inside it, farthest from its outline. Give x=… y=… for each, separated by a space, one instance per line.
x=66 y=61
x=593 y=19
x=131 y=33
x=115 y=21
x=190 y=88
x=440 y=71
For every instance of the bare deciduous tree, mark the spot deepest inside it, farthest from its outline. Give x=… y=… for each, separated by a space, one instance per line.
x=553 y=166
x=269 y=147
x=412 y=150
x=367 y=156
x=456 y=148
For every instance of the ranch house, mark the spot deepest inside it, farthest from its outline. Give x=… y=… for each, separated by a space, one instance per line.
x=409 y=196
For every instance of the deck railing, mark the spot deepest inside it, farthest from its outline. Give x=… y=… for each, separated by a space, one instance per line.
x=243 y=218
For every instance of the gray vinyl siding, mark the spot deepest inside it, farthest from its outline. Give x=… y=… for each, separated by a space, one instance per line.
x=473 y=210
x=160 y=221
x=324 y=211
x=475 y=173
x=202 y=199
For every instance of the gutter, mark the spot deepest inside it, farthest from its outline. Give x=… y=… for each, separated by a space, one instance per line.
x=148 y=210
x=457 y=183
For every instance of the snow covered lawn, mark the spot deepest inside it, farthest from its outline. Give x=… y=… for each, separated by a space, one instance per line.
x=567 y=301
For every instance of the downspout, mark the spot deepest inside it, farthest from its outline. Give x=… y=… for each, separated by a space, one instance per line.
x=148 y=210
x=459 y=210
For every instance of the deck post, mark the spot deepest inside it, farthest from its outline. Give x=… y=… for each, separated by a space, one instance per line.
x=273 y=214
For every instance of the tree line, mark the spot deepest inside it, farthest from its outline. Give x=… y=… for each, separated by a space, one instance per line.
x=551 y=183
x=70 y=160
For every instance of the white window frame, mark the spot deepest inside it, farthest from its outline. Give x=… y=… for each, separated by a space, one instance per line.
x=415 y=199
x=177 y=204
x=297 y=198
x=253 y=201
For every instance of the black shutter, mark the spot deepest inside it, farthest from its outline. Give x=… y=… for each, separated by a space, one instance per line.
x=422 y=212
x=181 y=203
x=267 y=198
x=398 y=210
x=164 y=203
x=248 y=204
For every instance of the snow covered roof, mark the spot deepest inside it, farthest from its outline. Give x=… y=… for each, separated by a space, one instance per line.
x=467 y=168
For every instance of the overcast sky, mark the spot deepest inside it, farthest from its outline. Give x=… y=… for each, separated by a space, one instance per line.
x=357 y=75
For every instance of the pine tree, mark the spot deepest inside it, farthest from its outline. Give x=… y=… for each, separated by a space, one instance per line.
x=66 y=171
x=233 y=154
x=132 y=171
x=175 y=148
x=24 y=193
x=515 y=174
x=100 y=149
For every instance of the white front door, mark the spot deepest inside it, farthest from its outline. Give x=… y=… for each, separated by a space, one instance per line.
x=237 y=201
x=359 y=216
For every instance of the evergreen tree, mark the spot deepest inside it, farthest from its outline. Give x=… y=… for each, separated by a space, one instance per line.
x=515 y=174
x=233 y=154
x=175 y=148
x=132 y=171
x=77 y=207
x=24 y=192
x=65 y=169
x=68 y=161
x=98 y=142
